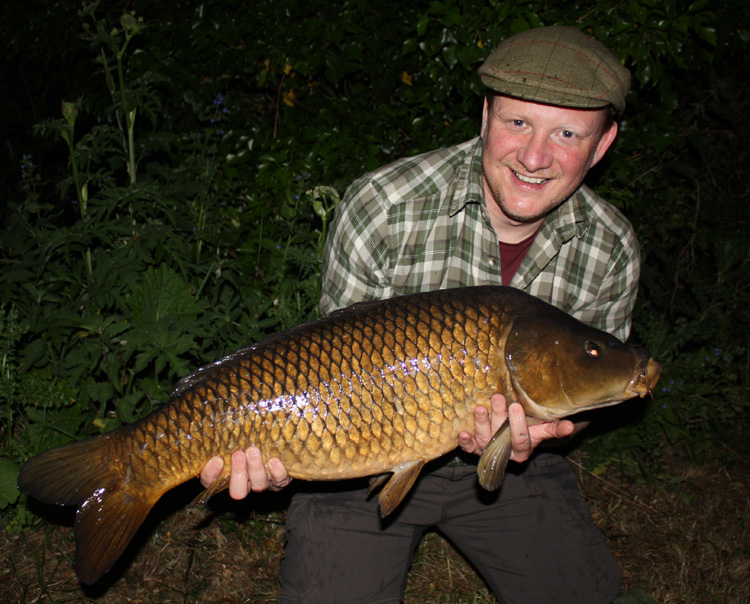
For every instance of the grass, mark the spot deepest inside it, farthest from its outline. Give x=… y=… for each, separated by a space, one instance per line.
x=685 y=540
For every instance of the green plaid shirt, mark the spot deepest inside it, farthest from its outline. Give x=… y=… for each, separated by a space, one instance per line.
x=420 y=224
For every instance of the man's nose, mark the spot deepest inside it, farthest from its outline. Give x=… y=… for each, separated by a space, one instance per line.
x=535 y=153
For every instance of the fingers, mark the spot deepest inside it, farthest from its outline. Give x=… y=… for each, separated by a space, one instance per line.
x=475 y=443
x=486 y=424
x=553 y=430
x=521 y=442
x=257 y=475
x=249 y=473
x=499 y=413
x=279 y=476
x=466 y=441
x=239 y=485
x=211 y=471
x=524 y=437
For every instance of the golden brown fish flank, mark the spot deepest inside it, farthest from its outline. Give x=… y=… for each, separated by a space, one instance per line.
x=335 y=399
x=380 y=387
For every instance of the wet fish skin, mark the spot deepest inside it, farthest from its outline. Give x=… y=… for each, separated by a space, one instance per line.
x=340 y=398
x=380 y=387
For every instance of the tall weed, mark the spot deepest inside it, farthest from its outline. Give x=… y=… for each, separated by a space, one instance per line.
x=155 y=258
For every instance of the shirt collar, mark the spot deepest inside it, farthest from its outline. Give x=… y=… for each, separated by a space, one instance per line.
x=469 y=179
x=569 y=219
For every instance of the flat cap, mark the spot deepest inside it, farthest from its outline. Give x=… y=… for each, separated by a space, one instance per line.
x=557 y=65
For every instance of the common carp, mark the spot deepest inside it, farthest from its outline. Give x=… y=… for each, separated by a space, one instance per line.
x=380 y=387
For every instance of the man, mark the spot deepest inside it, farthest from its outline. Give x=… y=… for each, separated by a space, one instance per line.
x=507 y=207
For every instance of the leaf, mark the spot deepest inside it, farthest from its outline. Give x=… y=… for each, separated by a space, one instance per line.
x=8 y=481
x=450 y=56
x=708 y=34
x=35 y=353
x=101 y=392
x=162 y=294
x=410 y=45
x=126 y=407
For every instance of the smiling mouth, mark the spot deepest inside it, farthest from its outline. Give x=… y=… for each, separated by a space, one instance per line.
x=530 y=180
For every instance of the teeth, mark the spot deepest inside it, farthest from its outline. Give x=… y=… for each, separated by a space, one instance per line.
x=528 y=179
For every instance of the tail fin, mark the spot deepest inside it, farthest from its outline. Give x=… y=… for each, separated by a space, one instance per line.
x=109 y=511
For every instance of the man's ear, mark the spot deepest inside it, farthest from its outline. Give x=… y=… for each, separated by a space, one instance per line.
x=485 y=116
x=605 y=142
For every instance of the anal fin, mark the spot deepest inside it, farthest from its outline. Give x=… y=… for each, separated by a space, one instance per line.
x=218 y=485
x=377 y=481
x=398 y=486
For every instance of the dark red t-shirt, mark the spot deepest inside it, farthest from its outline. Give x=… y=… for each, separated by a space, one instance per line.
x=511 y=255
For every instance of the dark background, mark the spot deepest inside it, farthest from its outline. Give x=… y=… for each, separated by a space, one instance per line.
x=161 y=202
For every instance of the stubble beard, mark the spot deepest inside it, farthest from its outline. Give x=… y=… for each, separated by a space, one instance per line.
x=523 y=219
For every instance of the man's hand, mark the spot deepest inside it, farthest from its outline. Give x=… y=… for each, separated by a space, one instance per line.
x=247 y=473
x=524 y=438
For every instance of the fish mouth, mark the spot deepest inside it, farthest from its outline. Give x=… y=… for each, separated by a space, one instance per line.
x=645 y=379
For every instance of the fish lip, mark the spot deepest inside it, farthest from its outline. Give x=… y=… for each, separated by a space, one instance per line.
x=645 y=379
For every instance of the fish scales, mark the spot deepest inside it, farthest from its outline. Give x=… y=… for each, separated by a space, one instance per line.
x=374 y=409
x=381 y=387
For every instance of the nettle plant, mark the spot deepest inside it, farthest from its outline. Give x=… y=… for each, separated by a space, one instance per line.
x=155 y=259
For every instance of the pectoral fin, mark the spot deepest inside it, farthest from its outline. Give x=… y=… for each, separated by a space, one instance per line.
x=398 y=486
x=494 y=460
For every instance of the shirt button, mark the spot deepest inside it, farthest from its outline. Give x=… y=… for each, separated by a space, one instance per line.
x=492 y=262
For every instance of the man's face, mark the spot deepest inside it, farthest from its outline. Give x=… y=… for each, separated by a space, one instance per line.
x=535 y=156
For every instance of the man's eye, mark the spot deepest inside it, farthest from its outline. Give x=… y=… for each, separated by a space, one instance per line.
x=518 y=123
x=568 y=134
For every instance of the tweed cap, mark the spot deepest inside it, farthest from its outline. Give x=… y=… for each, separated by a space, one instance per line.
x=559 y=66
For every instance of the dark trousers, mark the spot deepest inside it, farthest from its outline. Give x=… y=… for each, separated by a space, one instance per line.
x=533 y=541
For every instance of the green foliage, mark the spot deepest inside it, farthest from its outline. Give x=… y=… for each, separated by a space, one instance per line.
x=177 y=208
x=155 y=258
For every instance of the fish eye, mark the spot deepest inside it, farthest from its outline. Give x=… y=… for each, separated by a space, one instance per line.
x=592 y=349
